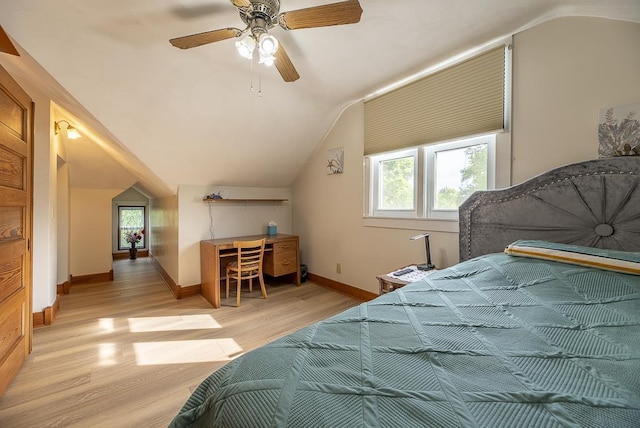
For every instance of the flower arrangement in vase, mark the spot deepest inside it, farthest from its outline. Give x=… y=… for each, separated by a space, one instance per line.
x=132 y=239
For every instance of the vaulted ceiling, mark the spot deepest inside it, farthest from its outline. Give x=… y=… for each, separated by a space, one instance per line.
x=188 y=116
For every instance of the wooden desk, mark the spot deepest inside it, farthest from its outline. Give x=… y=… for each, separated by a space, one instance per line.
x=281 y=257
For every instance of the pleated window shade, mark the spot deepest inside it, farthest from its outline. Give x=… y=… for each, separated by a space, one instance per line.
x=462 y=100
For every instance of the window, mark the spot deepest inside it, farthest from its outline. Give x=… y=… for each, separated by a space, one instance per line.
x=131 y=219
x=430 y=181
x=395 y=183
x=420 y=160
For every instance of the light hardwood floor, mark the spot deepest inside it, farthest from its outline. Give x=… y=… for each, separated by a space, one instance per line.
x=127 y=354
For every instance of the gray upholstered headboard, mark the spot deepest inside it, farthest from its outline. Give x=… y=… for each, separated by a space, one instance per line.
x=594 y=203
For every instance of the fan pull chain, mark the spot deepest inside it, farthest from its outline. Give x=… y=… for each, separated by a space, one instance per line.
x=255 y=65
x=252 y=61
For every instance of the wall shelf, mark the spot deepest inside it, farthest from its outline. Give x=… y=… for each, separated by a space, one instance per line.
x=243 y=200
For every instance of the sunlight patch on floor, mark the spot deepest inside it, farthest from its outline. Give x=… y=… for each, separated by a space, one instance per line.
x=106 y=325
x=172 y=323
x=107 y=354
x=186 y=351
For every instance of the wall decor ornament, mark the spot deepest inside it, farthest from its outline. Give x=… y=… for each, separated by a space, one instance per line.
x=619 y=131
x=335 y=161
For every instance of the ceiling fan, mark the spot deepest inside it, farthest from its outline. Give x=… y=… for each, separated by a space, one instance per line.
x=262 y=15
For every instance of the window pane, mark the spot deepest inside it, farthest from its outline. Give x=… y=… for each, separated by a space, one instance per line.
x=131 y=220
x=396 y=184
x=459 y=173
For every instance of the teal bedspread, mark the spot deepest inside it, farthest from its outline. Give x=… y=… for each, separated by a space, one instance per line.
x=497 y=341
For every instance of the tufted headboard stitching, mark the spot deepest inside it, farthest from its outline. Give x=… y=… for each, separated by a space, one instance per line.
x=594 y=203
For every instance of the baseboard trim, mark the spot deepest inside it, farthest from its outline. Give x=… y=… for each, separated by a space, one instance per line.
x=96 y=277
x=48 y=314
x=339 y=287
x=38 y=319
x=120 y=256
x=64 y=288
x=178 y=291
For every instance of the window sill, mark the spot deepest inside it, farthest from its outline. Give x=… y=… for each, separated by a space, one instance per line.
x=435 y=225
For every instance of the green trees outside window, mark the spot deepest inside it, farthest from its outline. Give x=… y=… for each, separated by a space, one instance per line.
x=469 y=165
x=397 y=183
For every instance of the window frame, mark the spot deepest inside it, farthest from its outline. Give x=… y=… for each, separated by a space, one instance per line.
x=431 y=151
x=376 y=183
x=144 y=226
x=424 y=188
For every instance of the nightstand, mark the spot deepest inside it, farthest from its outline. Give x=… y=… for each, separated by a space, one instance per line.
x=388 y=282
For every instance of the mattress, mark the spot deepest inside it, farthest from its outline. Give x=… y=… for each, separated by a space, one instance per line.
x=496 y=341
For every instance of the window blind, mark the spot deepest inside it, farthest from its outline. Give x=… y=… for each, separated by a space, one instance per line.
x=461 y=100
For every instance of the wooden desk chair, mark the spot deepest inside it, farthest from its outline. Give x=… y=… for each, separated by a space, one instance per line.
x=247 y=266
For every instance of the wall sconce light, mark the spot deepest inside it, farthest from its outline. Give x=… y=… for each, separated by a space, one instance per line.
x=72 y=133
x=428 y=265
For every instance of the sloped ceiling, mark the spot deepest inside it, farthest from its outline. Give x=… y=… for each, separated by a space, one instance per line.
x=189 y=117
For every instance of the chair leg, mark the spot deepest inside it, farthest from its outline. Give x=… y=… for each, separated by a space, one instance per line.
x=226 y=296
x=250 y=285
x=264 y=289
x=239 y=282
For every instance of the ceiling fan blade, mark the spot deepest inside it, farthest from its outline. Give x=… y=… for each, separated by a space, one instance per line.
x=200 y=39
x=5 y=44
x=346 y=12
x=285 y=66
x=241 y=3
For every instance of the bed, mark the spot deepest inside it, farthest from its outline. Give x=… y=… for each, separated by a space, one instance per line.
x=545 y=336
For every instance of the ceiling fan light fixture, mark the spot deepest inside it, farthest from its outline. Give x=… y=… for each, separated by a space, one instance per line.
x=246 y=46
x=267 y=44
x=267 y=60
x=260 y=16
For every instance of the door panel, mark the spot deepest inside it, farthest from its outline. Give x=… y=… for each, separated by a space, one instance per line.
x=16 y=148
x=11 y=279
x=12 y=113
x=11 y=323
x=12 y=169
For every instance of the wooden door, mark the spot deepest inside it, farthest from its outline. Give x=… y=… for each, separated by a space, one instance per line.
x=16 y=148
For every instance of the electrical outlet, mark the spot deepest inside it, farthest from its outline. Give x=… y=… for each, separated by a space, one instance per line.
x=338 y=267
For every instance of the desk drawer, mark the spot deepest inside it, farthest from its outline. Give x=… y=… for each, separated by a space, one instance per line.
x=282 y=260
x=284 y=246
x=285 y=263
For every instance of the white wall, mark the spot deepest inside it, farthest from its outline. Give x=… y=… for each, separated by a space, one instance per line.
x=565 y=71
x=199 y=220
x=44 y=204
x=328 y=217
x=62 y=222
x=91 y=231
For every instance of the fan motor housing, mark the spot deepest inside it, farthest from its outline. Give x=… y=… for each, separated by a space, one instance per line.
x=265 y=9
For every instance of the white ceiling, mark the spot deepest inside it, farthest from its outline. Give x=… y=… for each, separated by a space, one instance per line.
x=170 y=116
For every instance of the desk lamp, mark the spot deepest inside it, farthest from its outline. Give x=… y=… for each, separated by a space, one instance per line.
x=428 y=265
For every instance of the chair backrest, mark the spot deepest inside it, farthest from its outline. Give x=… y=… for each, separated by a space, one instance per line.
x=250 y=255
